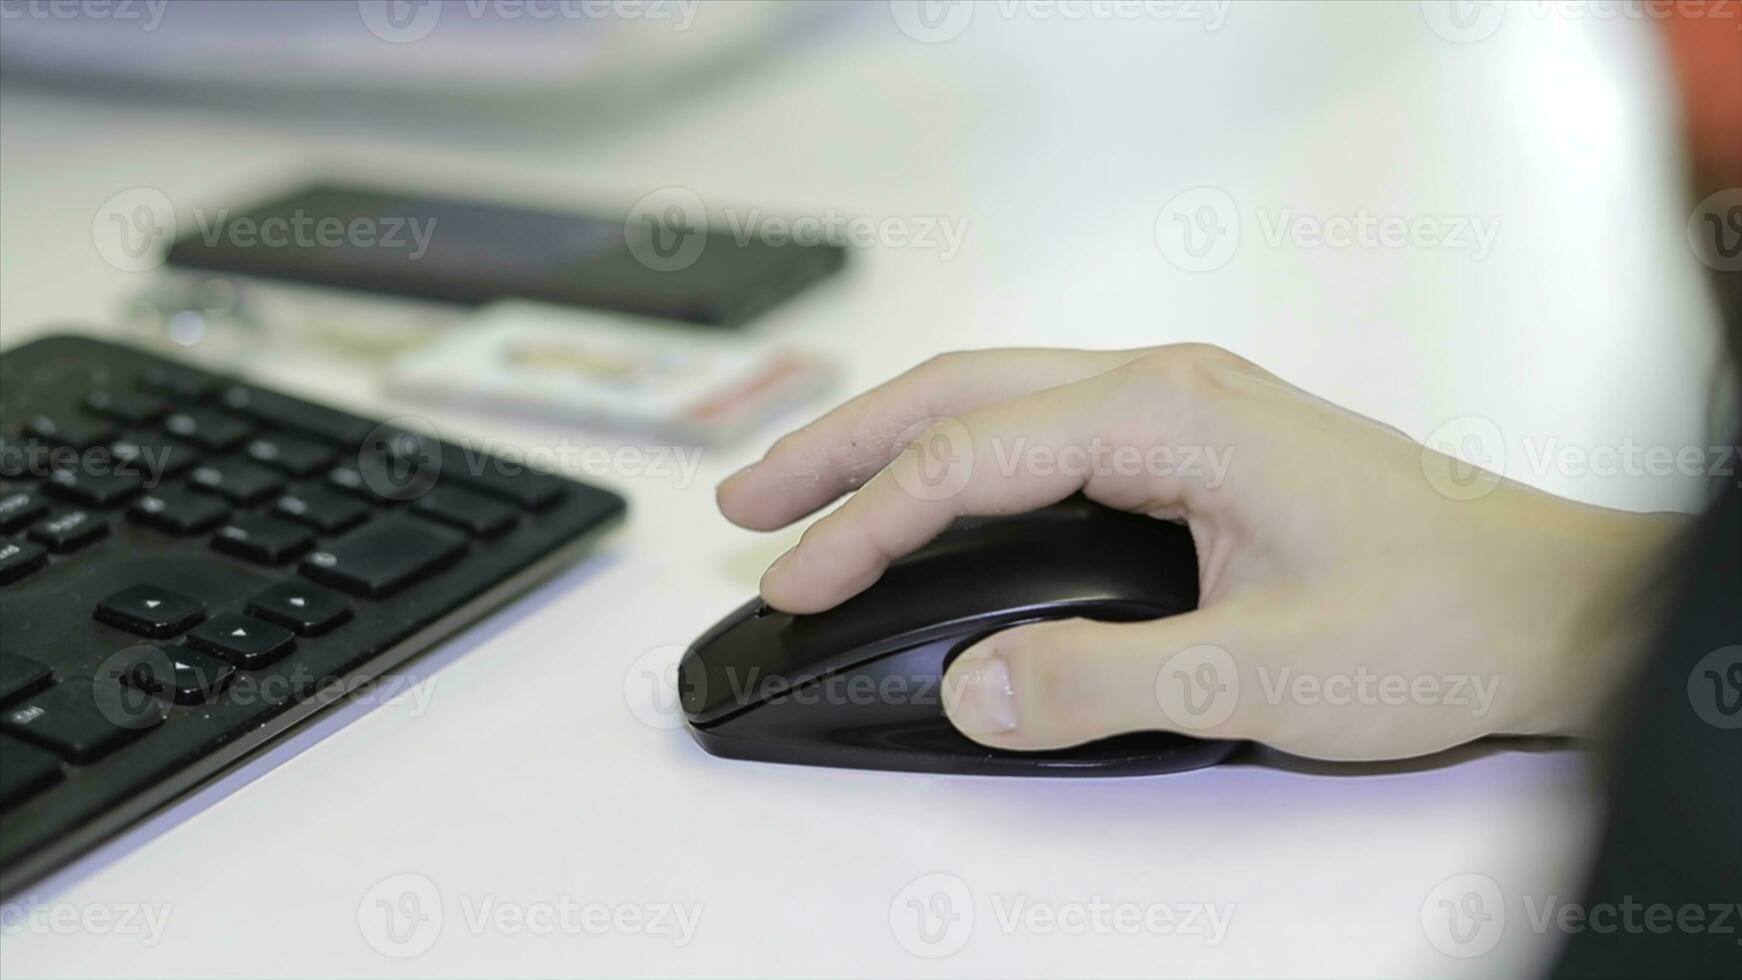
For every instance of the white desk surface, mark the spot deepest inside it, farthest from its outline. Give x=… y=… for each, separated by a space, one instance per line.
x=528 y=779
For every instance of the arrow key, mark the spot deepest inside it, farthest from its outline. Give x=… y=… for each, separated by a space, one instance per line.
x=150 y=611
x=247 y=642
x=301 y=607
x=178 y=674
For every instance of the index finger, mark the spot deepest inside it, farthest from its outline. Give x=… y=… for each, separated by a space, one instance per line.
x=912 y=500
x=812 y=466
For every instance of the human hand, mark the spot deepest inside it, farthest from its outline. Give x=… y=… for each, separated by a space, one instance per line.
x=1361 y=597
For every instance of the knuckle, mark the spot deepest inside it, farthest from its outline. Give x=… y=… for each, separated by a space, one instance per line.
x=946 y=362
x=1190 y=369
x=792 y=444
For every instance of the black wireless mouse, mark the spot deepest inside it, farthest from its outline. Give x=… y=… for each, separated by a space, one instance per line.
x=859 y=686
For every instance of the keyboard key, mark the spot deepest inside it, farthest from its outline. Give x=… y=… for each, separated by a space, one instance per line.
x=381 y=558
x=93 y=489
x=20 y=509
x=290 y=455
x=264 y=540
x=236 y=481
x=150 y=611
x=209 y=430
x=70 y=531
x=349 y=480
x=470 y=512
x=154 y=457
x=247 y=642
x=24 y=770
x=18 y=559
x=81 y=720
x=525 y=488
x=303 y=608
x=21 y=675
x=184 y=384
x=132 y=408
x=284 y=412
x=323 y=510
x=179 y=511
x=71 y=431
x=182 y=675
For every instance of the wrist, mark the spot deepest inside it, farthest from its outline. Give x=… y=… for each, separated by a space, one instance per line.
x=1616 y=612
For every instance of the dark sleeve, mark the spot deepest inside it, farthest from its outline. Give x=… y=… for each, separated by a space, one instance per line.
x=1673 y=833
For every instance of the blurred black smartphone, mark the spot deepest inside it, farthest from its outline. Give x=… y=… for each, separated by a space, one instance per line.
x=662 y=262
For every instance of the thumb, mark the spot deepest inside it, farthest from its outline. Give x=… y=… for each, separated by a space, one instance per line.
x=1062 y=683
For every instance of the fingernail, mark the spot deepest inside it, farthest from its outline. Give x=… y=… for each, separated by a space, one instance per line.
x=735 y=475
x=986 y=703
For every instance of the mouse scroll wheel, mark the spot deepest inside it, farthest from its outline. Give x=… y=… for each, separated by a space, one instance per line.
x=762 y=610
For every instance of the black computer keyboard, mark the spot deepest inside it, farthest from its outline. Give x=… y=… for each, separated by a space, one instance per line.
x=191 y=567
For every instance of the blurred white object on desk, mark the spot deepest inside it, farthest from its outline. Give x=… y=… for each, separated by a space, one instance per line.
x=691 y=384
